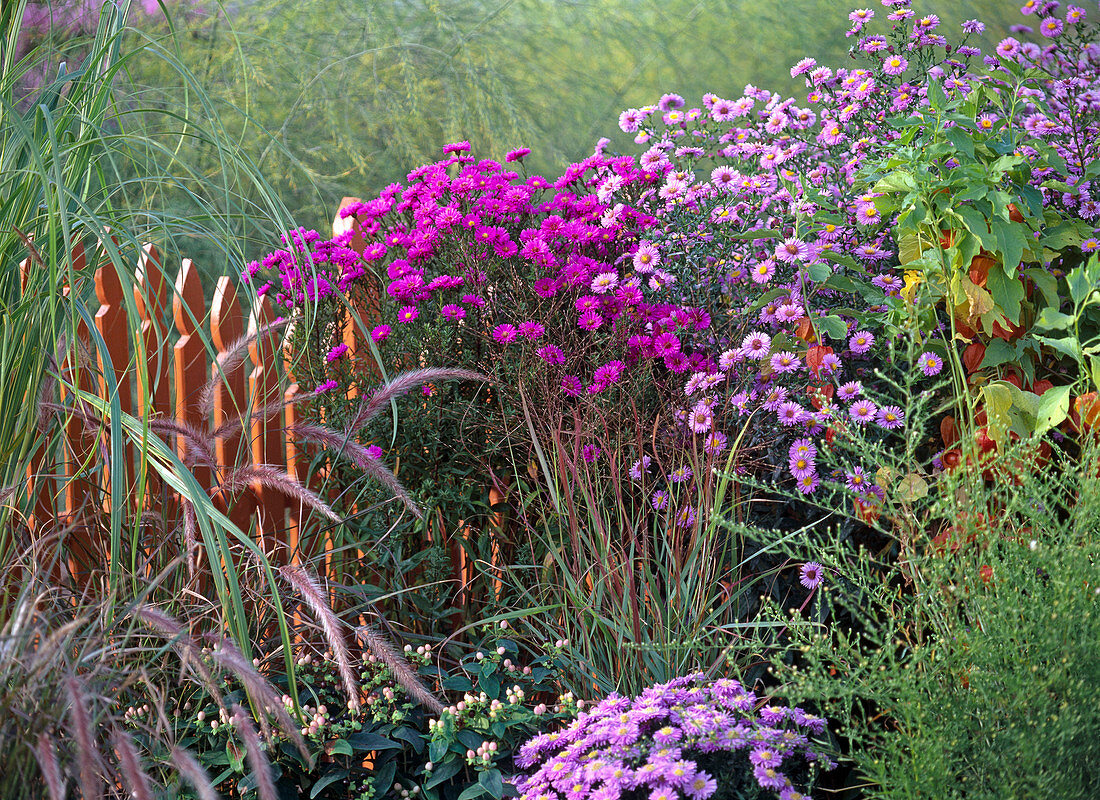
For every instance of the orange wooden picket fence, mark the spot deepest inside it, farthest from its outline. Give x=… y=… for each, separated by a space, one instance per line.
x=163 y=380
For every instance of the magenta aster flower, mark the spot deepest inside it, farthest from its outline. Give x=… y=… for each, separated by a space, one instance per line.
x=849 y=391
x=930 y=364
x=571 y=385
x=860 y=342
x=785 y=361
x=457 y=147
x=453 y=312
x=811 y=574
x=336 y=353
x=407 y=314
x=715 y=443
x=790 y=413
x=608 y=373
x=505 y=334
x=551 y=354
x=763 y=272
x=517 y=154
x=327 y=386
x=890 y=417
x=862 y=411
x=604 y=282
x=531 y=329
x=380 y=333
x=590 y=320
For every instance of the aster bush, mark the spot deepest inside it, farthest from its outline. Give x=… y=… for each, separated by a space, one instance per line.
x=687 y=738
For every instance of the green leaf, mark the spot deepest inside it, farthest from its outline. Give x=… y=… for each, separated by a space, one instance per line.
x=444 y=772
x=762 y=233
x=833 y=326
x=1053 y=408
x=998 y=402
x=936 y=97
x=818 y=271
x=458 y=683
x=1007 y=292
x=490 y=684
x=1054 y=320
x=338 y=747
x=472 y=791
x=961 y=139
x=365 y=741
x=325 y=780
x=471 y=739
x=437 y=749
x=1080 y=287
x=1047 y=284
x=911 y=487
x=493 y=783
x=998 y=352
x=1011 y=242
x=1067 y=345
x=897 y=181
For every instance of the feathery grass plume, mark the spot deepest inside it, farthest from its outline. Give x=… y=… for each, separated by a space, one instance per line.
x=182 y=643
x=357 y=453
x=308 y=589
x=200 y=450
x=80 y=727
x=234 y=424
x=190 y=535
x=232 y=358
x=273 y=478
x=227 y=656
x=403 y=384
x=130 y=762
x=192 y=771
x=257 y=758
x=45 y=752
x=385 y=652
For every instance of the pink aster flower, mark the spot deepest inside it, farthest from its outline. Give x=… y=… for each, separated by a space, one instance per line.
x=701 y=418
x=604 y=282
x=715 y=443
x=785 y=361
x=808 y=484
x=862 y=411
x=860 y=342
x=791 y=250
x=930 y=364
x=608 y=373
x=380 y=333
x=763 y=272
x=849 y=391
x=1050 y=27
x=646 y=257
x=890 y=417
x=894 y=65
x=457 y=147
x=811 y=574
x=666 y=344
x=801 y=466
x=336 y=353
x=790 y=413
x=407 y=314
x=517 y=154
x=327 y=386
x=756 y=345
x=453 y=312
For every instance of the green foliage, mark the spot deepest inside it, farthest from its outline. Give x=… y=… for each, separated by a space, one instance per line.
x=499 y=700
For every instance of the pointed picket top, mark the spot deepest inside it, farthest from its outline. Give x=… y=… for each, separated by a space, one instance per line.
x=188 y=302
x=150 y=286
x=226 y=320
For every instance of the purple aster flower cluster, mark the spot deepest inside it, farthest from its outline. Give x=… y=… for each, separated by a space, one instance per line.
x=681 y=739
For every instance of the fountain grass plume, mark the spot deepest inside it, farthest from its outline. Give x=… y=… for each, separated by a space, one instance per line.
x=402 y=385
x=257 y=758
x=306 y=586
x=385 y=652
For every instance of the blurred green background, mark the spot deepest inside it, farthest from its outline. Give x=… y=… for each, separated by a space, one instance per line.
x=335 y=98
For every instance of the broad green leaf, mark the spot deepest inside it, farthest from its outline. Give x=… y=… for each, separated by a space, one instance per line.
x=1067 y=345
x=1011 y=243
x=326 y=779
x=338 y=747
x=444 y=772
x=1047 y=284
x=897 y=181
x=1053 y=320
x=833 y=326
x=472 y=791
x=364 y=740
x=818 y=271
x=1053 y=408
x=493 y=783
x=1007 y=292
x=961 y=140
x=1080 y=287
x=998 y=352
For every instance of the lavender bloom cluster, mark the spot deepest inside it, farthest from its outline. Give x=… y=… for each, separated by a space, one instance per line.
x=681 y=739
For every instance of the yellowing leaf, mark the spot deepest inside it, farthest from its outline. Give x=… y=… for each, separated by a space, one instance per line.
x=998 y=403
x=911 y=487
